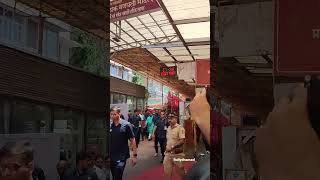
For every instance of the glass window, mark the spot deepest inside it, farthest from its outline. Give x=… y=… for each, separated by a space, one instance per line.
x=50 y=43
x=30 y=118
x=113 y=70
x=132 y=103
x=70 y=125
x=155 y=93
x=116 y=98
x=165 y=94
x=11 y=27
x=18 y=30
x=126 y=75
x=123 y=98
x=96 y=134
x=120 y=71
x=119 y=98
x=130 y=75
x=32 y=34
x=140 y=103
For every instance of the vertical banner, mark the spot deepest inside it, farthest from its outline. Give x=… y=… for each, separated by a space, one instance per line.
x=203 y=72
x=297 y=37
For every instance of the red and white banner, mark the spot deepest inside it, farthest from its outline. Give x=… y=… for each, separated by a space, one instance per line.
x=125 y=9
x=297 y=37
x=203 y=72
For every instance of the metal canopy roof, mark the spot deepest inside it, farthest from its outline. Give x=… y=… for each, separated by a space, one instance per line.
x=141 y=60
x=179 y=33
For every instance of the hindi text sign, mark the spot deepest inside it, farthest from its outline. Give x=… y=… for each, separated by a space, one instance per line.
x=125 y=9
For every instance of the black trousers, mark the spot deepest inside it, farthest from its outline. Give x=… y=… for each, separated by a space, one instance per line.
x=162 y=142
x=143 y=133
x=137 y=136
x=117 y=169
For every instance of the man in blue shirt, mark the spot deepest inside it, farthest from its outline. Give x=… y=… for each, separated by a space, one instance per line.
x=136 y=125
x=120 y=132
x=159 y=133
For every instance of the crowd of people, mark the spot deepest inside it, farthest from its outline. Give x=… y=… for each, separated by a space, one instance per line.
x=158 y=126
x=17 y=163
x=150 y=125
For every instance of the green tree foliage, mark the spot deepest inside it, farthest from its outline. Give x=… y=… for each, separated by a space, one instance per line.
x=137 y=79
x=91 y=56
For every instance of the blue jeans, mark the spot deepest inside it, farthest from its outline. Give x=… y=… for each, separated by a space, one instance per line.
x=117 y=169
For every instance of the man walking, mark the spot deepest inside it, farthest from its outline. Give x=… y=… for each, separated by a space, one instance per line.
x=174 y=148
x=142 y=125
x=120 y=132
x=159 y=133
x=136 y=124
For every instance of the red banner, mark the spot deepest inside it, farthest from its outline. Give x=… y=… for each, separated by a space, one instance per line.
x=203 y=72
x=124 y=9
x=297 y=37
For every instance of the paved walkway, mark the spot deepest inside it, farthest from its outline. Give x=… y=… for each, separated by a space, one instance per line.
x=148 y=167
x=145 y=160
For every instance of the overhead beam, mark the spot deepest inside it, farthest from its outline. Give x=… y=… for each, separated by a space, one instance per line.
x=190 y=21
x=166 y=12
x=255 y=65
x=198 y=43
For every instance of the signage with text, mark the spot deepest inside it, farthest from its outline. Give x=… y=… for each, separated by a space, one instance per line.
x=297 y=37
x=168 y=71
x=125 y=9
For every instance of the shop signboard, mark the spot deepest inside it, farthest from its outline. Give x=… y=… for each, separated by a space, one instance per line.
x=297 y=37
x=203 y=72
x=125 y=9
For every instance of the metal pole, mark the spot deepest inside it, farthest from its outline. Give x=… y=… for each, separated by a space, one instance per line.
x=216 y=163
